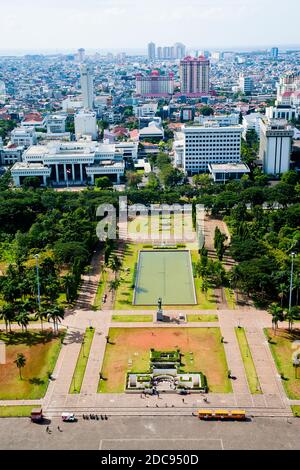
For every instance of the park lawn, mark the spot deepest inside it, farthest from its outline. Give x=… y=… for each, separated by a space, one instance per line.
x=16 y=411
x=230 y=298
x=251 y=374
x=132 y=318
x=205 y=300
x=100 y=290
x=296 y=410
x=281 y=346
x=202 y=318
x=202 y=349
x=41 y=350
x=82 y=361
x=124 y=294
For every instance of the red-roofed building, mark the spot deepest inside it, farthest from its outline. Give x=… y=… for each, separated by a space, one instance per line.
x=34 y=119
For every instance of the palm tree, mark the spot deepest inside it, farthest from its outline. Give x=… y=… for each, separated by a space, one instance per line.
x=283 y=289
x=276 y=311
x=7 y=313
x=41 y=315
x=113 y=285
x=20 y=363
x=22 y=318
x=56 y=314
x=296 y=285
x=290 y=315
x=115 y=264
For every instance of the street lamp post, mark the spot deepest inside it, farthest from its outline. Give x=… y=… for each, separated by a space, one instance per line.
x=291 y=281
x=38 y=281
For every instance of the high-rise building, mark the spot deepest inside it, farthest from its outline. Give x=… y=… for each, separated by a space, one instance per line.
x=179 y=50
x=159 y=53
x=275 y=145
x=151 y=51
x=87 y=87
x=245 y=84
x=208 y=143
x=86 y=124
x=274 y=52
x=155 y=84
x=81 y=54
x=194 y=76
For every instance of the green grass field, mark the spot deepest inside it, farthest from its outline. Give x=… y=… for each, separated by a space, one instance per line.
x=296 y=410
x=283 y=347
x=165 y=274
x=82 y=360
x=251 y=374
x=16 y=411
x=129 y=348
x=202 y=318
x=132 y=318
x=41 y=350
x=124 y=294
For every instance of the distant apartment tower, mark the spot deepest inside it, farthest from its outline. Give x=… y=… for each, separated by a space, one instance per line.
x=245 y=84
x=275 y=146
x=86 y=124
x=154 y=84
x=87 y=87
x=179 y=50
x=274 y=52
x=81 y=54
x=194 y=76
x=151 y=51
x=159 y=53
x=207 y=144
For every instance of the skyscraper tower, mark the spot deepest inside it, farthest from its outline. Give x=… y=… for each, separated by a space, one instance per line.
x=87 y=87
x=81 y=54
x=151 y=51
x=194 y=75
x=274 y=52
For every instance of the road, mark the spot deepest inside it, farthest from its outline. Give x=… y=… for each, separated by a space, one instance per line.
x=151 y=433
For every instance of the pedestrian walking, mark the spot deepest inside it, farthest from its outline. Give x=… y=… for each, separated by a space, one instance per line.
x=47 y=429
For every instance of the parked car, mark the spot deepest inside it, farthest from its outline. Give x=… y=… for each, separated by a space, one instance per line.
x=70 y=417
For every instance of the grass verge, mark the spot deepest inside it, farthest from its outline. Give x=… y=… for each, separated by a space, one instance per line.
x=202 y=318
x=82 y=360
x=251 y=374
x=132 y=318
x=16 y=411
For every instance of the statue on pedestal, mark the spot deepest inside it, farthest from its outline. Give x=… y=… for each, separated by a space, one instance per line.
x=159 y=315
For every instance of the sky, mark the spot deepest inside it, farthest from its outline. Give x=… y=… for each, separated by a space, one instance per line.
x=131 y=24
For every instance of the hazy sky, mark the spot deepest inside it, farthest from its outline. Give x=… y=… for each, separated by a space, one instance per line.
x=105 y=24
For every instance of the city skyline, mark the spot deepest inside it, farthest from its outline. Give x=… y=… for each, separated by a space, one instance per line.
x=93 y=24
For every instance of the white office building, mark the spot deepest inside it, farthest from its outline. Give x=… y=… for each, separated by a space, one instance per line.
x=252 y=122
x=275 y=146
x=86 y=124
x=56 y=124
x=282 y=112
x=74 y=163
x=87 y=87
x=209 y=143
x=222 y=119
x=23 y=136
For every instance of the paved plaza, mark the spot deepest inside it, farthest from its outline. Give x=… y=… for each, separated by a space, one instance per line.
x=151 y=433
